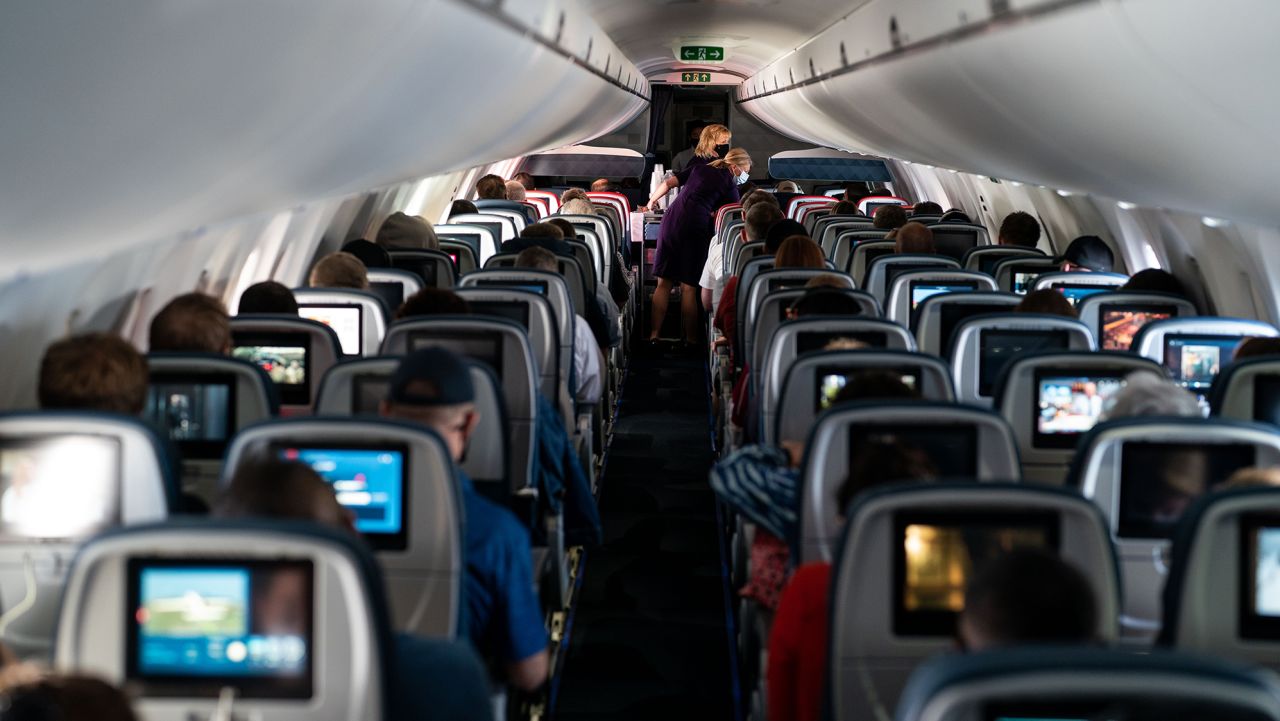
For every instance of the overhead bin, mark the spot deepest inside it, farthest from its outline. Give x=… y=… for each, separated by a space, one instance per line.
x=585 y=162
x=826 y=164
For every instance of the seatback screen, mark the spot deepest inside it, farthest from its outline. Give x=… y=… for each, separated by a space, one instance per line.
x=937 y=552
x=196 y=626
x=953 y=242
x=1024 y=280
x=483 y=346
x=1259 y=608
x=893 y=270
x=390 y=292
x=529 y=286
x=347 y=322
x=820 y=340
x=786 y=283
x=61 y=486
x=1120 y=323
x=951 y=315
x=196 y=411
x=1068 y=404
x=511 y=310
x=285 y=357
x=1195 y=360
x=951 y=449
x=830 y=380
x=425 y=267
x=921 y=289
x=1266 y=399
x=999 y=348
x=1158 y=481
x=368 y=390
x=370 y=482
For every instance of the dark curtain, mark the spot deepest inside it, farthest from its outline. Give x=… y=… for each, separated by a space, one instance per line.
x=660 y=97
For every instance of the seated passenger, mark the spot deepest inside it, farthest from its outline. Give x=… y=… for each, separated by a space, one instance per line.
x=826 y=295
x=726 y=318
x=1027 y=596
x=1156 y=281
x=926 y=207
x=447 y=675
x=525 y=180
x=193 y=323
x=889 y=217
x=955 y=215
x=515 y=191
x=462 y=207
x=1088 y=253
x=400 y=230
x=577 y=206
x=28 y=693
x=798 y=638
x=600 y=185
x=433 y=387
x=880 y=192
x=268 y=297
x=587 y=360
x=844 y=207
x=1256 y=347
x=1020 y=230
x=433 y=301
x=339 y=270
x=1148 y=394
x=572 y=194
x=913 y=238
x=371 y=254
x=1253 y=477
x=93 y=372
x=1047 y=301
x=756 y=196
x=546 y=235
x=788 y=186
x=758 y=217
x=491 y=187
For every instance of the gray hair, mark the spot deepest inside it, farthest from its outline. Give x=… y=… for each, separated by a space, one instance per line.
x=578 y=206
x=1149 y=394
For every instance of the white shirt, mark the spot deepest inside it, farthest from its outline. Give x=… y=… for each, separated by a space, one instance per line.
x=713 y=272
x=586 y=363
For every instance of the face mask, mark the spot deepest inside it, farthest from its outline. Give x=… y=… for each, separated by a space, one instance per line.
x=741 y=179
x=722 y=150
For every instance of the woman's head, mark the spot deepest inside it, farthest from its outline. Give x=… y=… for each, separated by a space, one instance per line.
x=914 y=238
x=713 y=141
x=799 y=251
x=737 y=162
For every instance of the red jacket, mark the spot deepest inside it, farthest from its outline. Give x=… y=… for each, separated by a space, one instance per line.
x=798 y=646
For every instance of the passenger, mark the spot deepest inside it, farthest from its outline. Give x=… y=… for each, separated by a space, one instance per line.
x=926 y=207
x=713 y=144
x=1148 y=394
x=799 y=251
x=571 y=194
x=339 y=270
x=525 y=180
x=372 y=255
x=546 y=235
x=747 y=187
x=1256 y=347
x=268 y=297
x=1027 y=596
x=1020 y=230
x=798 y=638
x=788 y=186
x=826 y=280
x=955 y=215
x=1088 y=253
x=600 y=185
x=400 y=230
x=685 y=237
x=445 y=674
x=462 y=207
x=758 y=196
x=578 y=206
x=1155 y=280
x=568 y=230
x=682 y=158
x=889 y=217
x=825 y=298
x=726 y=318
x=1254 y=477
x=845 y=207
x=601 y=311
x=1048 y=302
x=30 y=694
x=913 y=238
x=491 y=187
x=515 y=191
x=758 y=218
x=587 y=360
x=433 y=387
x=192 y=323
x=433 y=301
x=93 y=372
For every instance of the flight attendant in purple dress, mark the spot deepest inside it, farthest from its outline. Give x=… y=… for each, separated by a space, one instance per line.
x=686 y=233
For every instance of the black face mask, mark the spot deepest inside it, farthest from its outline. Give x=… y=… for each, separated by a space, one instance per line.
x=722 y=150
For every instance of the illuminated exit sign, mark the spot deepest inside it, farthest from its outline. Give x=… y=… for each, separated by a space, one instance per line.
x=695 y=77
x=705 y=53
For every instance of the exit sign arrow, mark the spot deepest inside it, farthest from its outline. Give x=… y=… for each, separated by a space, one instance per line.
x=707 y=53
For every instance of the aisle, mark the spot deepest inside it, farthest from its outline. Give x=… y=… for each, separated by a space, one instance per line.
x=649 y=638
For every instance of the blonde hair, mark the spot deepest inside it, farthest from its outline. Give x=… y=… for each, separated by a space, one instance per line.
x=709 y=139
x=737 y=157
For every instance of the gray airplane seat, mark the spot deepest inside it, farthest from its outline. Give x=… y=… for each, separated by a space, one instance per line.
x=397 y=481
x=569 y=270
x=1221 y=596
x=1086 y=683
x=731 y=237
x=1115 y=317
x=746 y=277
x=358 y=317
x=413 y=270
x=795 y=338
x=1143 y=473
x=938 y=316
x=925 y=541
x=1248 y=390
x=598 y=224
x=552 y=347
x=199 y=401
x=956 y=240
x=506 y=223
x=962 y=444
x=278 y=621
x=1078 y=285
x=592 y=255
x=856 y=248
x=483 y=239
x=772 y=281
x=1194 y=350
x=869 y=206
x=983 y=346
x=814 y=380
x=984 y=258
x=461 y=254
x=907 y=290
x=294 y=352
x=885 y=269
x=66 y=475
x=829 y=228
x=743 y=254
x=1052 y=399
x=773 y=312
x=1018 y=275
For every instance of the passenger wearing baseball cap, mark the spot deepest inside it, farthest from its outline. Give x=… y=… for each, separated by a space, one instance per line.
x=1088 y=253
x=433 y=387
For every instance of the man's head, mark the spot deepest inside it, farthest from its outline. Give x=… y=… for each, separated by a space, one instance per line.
x=59 y=697
x=536 y=258
x=572 y=193
x=577 y=206
x=844 y=207
x=1048 y=302
x=1019 y=229
x=888 y=217
x=491 y=187
x=371 y=254
x=433 y=387
x=192 y=323
x=93 y=372
x=819 y=301
x=515 y=191
x=433 y=301
x=1027 y=597
x=567 y=229
x=778 y=233
x=758 y=219
x=525 y=180
x=1156 y=281
x=1088 y=253
x=339 y=270
x=282 y=489
x=695 y=132
x=749 y=200
x=401 y=230
x=545 y=229
x=599 y=185
x=268 y=297
x=788 y=186
x=914 y=238
x=926 y=207
x=462 y=207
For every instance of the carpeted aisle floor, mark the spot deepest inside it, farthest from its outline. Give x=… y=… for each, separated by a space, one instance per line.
x=649 y=639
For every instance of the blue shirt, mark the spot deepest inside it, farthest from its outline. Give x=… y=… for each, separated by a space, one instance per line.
x=504 y=617
x=558 y=474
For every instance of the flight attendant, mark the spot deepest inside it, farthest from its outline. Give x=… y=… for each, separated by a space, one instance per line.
x=712 y=144
x=686 y=233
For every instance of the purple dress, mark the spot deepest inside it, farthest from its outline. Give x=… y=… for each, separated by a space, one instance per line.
x=690 y=222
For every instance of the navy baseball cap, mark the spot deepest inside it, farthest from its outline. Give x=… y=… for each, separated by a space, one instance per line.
x=432 y=377
x=1089 y=251
x=780 y=231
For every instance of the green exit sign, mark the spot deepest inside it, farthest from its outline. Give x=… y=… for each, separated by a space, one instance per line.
x=695 y=77
x=706 y=53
